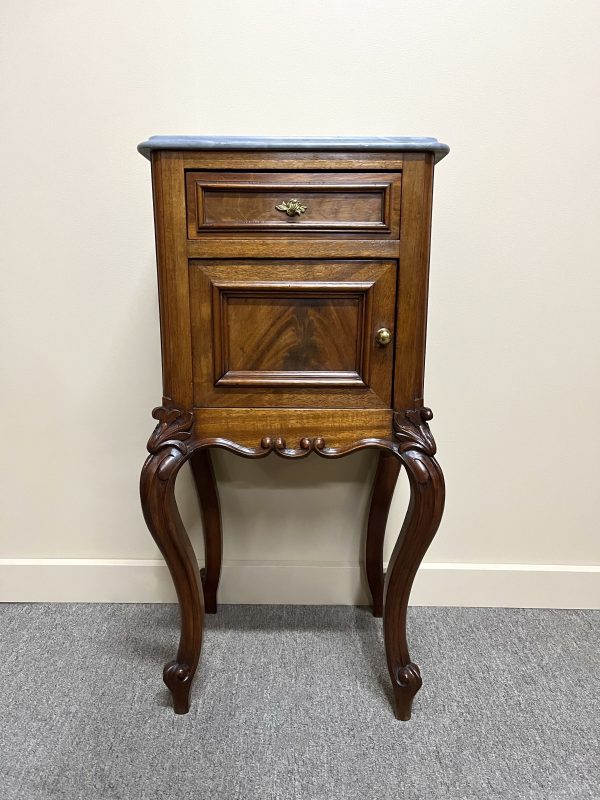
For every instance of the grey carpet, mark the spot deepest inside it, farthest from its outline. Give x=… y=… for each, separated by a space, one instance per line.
x=293 y=702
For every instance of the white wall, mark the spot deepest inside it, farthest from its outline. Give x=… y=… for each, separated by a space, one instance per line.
x=513 y=367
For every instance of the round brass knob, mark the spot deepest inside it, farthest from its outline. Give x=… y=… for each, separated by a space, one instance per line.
x=383 y=336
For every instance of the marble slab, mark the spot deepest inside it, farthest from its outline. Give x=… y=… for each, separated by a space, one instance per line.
x=334 y=143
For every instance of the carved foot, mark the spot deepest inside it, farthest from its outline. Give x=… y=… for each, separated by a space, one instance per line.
x=168 y=452
x=178 y=678
x=416 y=450
x=406 y=683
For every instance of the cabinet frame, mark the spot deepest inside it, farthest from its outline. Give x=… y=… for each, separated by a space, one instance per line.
x=317 y=411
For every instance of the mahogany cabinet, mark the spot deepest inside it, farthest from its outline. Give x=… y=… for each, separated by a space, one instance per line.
x=293 y=277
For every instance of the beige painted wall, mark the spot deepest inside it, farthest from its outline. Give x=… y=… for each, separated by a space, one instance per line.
x=513 y=367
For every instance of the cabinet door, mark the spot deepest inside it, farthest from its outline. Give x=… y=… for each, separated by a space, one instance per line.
x=276 y=333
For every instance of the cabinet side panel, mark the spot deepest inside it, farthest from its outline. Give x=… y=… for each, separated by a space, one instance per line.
x=415 y=231
x=173 y=284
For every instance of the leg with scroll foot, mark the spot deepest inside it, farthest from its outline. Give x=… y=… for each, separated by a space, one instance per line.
x=416 y=450
x=388 y=469
x=208 y=498
x=168 y=452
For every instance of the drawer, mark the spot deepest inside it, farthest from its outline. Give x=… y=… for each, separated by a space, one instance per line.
x=355 y=204
x=272 y=332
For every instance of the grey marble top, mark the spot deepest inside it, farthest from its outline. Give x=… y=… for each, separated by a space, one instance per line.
x=374 y=143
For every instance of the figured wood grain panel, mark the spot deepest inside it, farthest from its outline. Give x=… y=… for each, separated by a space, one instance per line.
x=299 y=333
x=248 y=426
x=284 y=333
x=246 y=203
x=415 y=227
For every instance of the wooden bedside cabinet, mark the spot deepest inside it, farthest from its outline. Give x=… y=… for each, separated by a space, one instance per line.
x=293 y=279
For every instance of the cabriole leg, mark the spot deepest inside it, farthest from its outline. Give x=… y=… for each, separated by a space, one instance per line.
x=168 y=452
x=208 y=498
x=388 y=469
x=416 y=451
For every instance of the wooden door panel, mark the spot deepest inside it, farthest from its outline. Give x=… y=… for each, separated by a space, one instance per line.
x=285 y=333
x=275 y=333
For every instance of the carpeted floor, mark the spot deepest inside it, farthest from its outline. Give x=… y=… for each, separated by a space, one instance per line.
x=292 y=702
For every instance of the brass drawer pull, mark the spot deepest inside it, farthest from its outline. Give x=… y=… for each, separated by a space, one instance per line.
x=383 y=336
x=292 y=207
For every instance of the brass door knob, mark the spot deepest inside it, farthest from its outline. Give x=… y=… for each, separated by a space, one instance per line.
x=383 y=336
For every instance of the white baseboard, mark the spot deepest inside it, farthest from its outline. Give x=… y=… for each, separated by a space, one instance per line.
x=29 y=580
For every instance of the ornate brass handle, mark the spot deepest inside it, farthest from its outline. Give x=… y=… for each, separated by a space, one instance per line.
x=292 y=207
x=383 y=336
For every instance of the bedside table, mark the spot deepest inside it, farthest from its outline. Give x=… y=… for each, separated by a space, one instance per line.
x=293 y=278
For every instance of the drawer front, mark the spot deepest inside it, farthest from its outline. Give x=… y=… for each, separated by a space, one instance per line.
x=292 y=334
x=356 y=204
